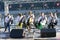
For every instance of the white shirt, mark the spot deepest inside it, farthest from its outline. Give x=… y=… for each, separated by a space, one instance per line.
x=7 y=19
x=18 y=18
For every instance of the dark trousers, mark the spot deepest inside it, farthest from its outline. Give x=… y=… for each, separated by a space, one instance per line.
x=51 y=25
x=7 y=26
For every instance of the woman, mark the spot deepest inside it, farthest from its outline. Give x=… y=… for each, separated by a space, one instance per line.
x=30 y=20
x=52 y=21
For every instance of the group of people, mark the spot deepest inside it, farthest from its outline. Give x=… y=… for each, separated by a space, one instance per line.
x=23 y=21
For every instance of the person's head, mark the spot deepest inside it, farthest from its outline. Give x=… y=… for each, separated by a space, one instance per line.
x=30 y=12
x=51 y=14
x=7 y=14
x=42 y=14
x=20 y=14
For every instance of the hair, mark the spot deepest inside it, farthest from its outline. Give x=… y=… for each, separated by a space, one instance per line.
x=30 y=12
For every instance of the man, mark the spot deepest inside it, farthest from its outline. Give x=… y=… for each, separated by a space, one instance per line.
x=7 y=22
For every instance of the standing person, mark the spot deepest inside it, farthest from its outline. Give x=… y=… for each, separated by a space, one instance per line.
x=32 y=17
x=51 y=21
x=7 y=22
x=21 y=20
x=41 y=21
x=30 y=20
x=18 y=18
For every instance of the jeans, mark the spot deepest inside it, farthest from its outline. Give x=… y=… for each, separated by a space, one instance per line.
x=7 y=25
